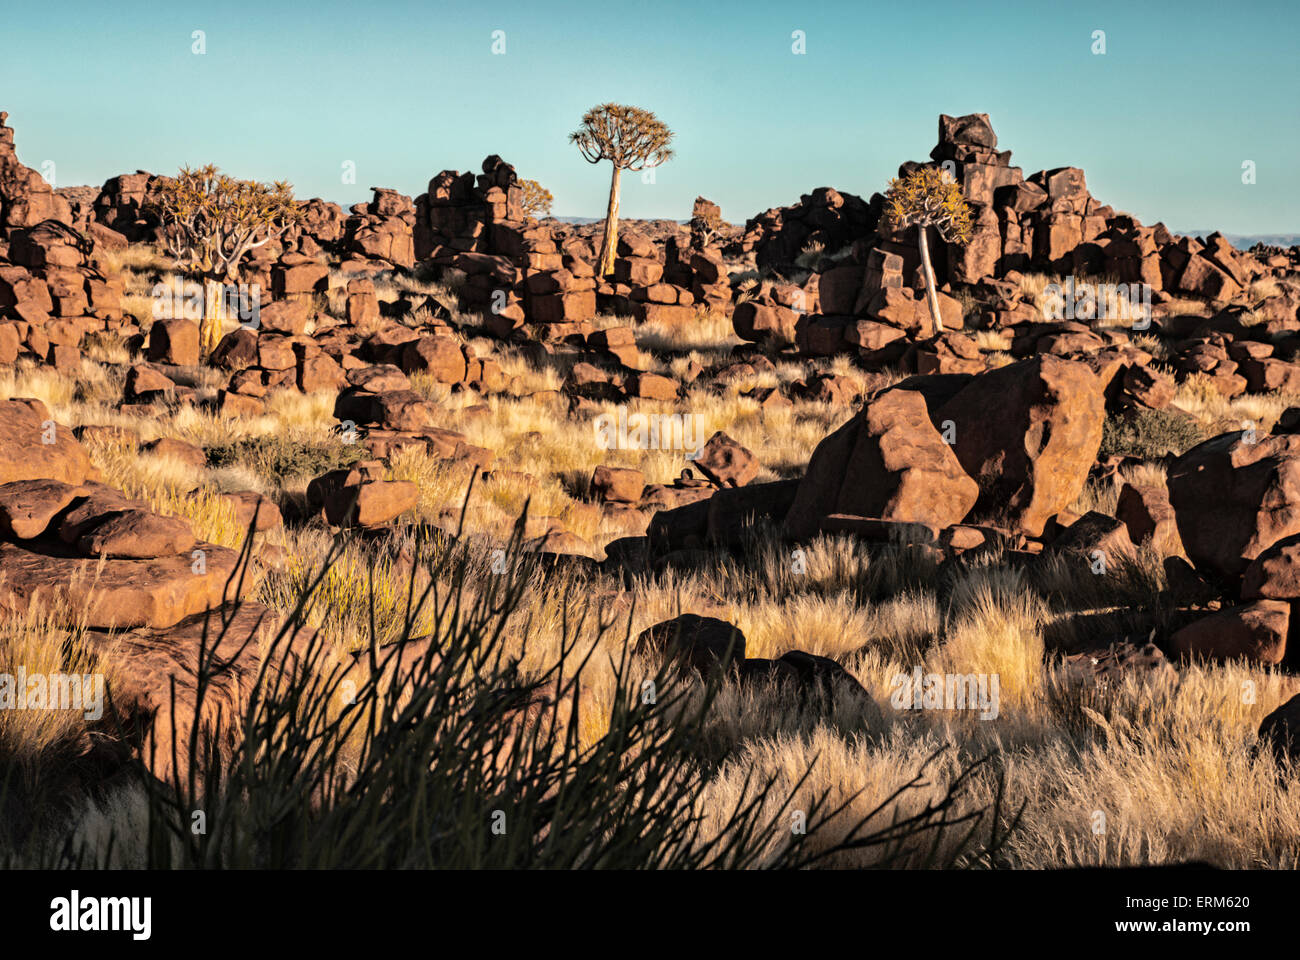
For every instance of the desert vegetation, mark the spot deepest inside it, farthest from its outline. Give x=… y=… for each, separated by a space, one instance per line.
x=503 y=542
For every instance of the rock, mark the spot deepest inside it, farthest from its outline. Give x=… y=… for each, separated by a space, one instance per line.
x=733 y=510
x=136 y=534
x=726 y=462
x=357 y=496
x=561 y=543
x=617 y=484
x=28 y=506
x=144 y=381
x=1255 y=632
x=174 y=449
x=1274 y=574
x=651 y=386
x=1112 y=664
x=756 y=322
x=238 y=405
x=439 y=356
x=382 y=378
x=1100 y=538
x=116 y=594
x=701 y=643
x=34 y=447
x=887 y=462
x=237 y=349
x=1233 y=499
x=319 y=373
x=253 y=509
x=1280 y=731
x=1028 y=433
x=1148 y=515
x=808 y=672
x=175 y=342
x=154 y=662
x=86 y=511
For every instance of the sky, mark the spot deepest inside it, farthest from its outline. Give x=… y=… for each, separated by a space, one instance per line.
x=1161 y=122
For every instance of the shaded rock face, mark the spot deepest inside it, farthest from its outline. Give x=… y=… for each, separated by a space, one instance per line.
x=702 y=643
x=149 y=662
x=1280 y=731
x=705 y=643
x=825 y=216
x=889 y=462
x=1028 y=433
x=1255 y=633
x=1234 y=499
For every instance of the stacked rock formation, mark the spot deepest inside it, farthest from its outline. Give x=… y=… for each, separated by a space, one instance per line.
x=25 y=198
x=515 y=272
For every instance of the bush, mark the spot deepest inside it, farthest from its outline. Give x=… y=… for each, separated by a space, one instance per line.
x=279 y=457
x=419 y=773
x=1150 y=434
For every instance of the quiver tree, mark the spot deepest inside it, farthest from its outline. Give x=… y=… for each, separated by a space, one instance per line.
x=536 y=200
x=926 y=198
x=631 y=139
x=706 y=223
x=211 y=220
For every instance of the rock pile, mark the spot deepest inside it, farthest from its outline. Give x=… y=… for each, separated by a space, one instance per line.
x=25 y=198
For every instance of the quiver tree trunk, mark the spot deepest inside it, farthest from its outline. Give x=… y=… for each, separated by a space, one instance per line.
x=609 y=244
x=931 y=293
x=214 y=315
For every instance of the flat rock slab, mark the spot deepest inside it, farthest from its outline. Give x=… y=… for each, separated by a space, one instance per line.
x=137 y=534
x=28 y=506
x=116 y=594
x=98 y=502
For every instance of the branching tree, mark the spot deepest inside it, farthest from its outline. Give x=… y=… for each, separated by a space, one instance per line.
x=928 y=198
x=631 y=139
x=706 y=223
x=537 y=199
x=211 y=220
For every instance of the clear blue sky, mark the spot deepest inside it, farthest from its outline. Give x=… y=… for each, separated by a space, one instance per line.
x=1161 y=123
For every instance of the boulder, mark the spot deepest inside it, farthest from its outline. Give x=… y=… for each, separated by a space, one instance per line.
x=1233 y=499
x=1255 y=632
x=136 y=533
x=701 y=643
x=1028 y=433
x=116 y=594
x=34 y=447
x=1280 y=731
x=726 y=462
x=889 y=462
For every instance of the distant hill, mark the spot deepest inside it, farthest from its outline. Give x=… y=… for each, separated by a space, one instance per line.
x=1246 y=241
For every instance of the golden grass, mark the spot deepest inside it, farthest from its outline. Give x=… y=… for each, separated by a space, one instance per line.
x=1166 y=763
